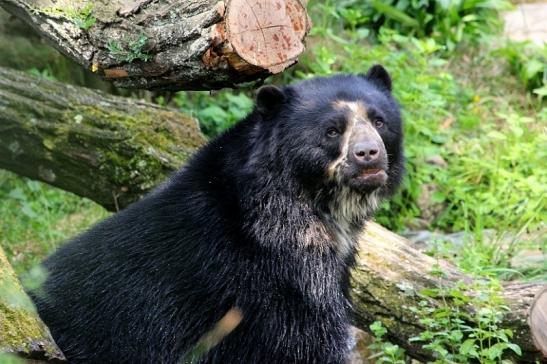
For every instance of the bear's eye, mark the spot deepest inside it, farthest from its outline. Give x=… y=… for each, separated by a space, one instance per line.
x=332 y=132
x=378 y=122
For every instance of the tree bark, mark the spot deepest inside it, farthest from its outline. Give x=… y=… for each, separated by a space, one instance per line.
x=113 y=150
x=537 y=320
x=109 y=149
x=21 y=331
x=172 y=45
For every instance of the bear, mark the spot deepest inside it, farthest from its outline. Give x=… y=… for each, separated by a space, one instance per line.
x=253 y=238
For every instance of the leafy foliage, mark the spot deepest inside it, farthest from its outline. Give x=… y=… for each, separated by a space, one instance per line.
x=529 y=62
x=35 y=218
x=6 y=358
x=447 y=22
x=228 y=108
x=385 y=351
x=84 y=18
x=456 y=336
x=453 y=333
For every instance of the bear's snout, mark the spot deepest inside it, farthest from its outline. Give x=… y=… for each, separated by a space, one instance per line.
x=365 y=153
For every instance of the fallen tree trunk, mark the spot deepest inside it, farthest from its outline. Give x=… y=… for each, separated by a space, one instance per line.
x=22 y=333
x=390 y=276
x=109 y=149
x=112 y=150
x=190 y=45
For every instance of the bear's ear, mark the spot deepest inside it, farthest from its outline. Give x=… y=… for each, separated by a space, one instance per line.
x=269 y=98
x=378 y=75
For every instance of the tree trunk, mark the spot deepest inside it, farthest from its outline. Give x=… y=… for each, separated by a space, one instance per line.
x=109 y=149
x=113 y=150
x=190 y=45
x=21 y=330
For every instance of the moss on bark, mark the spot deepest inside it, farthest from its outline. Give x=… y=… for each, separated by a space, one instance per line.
x=21 y=330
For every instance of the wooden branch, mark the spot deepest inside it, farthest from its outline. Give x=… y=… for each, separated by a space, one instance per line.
x=109 y=149
x=390 y=274
x=191 y=45
x=21 y=331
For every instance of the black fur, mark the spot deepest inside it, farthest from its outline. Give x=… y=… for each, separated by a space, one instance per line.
x=245 y=224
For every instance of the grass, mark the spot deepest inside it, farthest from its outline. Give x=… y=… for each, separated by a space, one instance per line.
x=35 y=218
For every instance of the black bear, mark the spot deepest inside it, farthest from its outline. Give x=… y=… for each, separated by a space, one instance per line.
x=262 y=221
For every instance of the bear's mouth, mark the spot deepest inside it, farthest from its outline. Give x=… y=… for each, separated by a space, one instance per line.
x=365 y=179
x=373 y=177
x=373 y=173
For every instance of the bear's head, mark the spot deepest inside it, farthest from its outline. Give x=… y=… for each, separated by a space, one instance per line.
x=340 y=136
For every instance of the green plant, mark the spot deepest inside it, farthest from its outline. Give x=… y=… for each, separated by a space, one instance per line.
x=528 y=61
x=457 y=335
x=217 y=113
x=35 y=218
x=6 y=358
x=490 y=254
x=448 y=22
x=501 y=156
x=45 y=73
x=84 y=18
x=129 y=50
x=384 y=351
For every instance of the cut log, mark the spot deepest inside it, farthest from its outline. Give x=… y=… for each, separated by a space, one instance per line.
x=390 y=274
x=538 y=321
x=109 y=149
x=172 y=45
x=22 y=333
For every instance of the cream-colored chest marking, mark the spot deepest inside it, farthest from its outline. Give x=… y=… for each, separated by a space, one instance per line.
x=344 y=241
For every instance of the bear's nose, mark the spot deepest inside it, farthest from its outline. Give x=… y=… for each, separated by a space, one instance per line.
x=366 y=151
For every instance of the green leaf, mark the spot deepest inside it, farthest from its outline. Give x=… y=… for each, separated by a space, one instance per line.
x=494 y=134
x=496 y=350
x=515 y=348
x=438 y=196
x=542 y=91
x=429 y=292
x=533 y=67
x=28 y=211
x=378 y=329
x=467 y=347
x=394 y=13
x=17 y=194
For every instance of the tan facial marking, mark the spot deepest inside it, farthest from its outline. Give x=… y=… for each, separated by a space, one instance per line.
x=356 y=108
x=356 y=111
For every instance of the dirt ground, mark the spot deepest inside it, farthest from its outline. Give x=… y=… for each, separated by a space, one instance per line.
x=527 y=22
